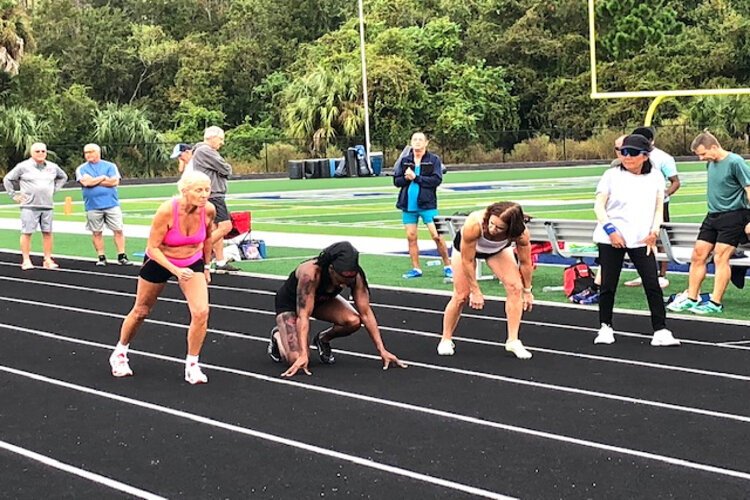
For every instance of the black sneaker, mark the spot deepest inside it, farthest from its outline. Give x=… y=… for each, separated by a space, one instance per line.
x=123 y=260
x=273 y=347
x=227 y=268
x=324 y=351
x=101 y=262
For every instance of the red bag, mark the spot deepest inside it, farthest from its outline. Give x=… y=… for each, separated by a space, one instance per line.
x=241 y=224
x=577 y=278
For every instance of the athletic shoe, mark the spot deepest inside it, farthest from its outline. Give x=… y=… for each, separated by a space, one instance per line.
x=120 y=366
x=582 y=295
x=664 y=337
x=194 y=375
x=446 y=348
x=448 y=272
x=636 y=282
x=412 y=273
x=708 y=307
x=606 y=335
x=123 y=260
x=101 y=262
x=50 y=264
x=324 y=351
x=590 y=300
x=517 y=348
x=25 y=266
x=227 y=268
x=273 y=347
x=663 y=282
x=682 y=303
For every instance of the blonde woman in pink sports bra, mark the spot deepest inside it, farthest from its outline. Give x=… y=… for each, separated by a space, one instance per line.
x=179 y=245
x=491 y=234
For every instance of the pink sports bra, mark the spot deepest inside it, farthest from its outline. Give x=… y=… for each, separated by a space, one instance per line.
x=174 y=238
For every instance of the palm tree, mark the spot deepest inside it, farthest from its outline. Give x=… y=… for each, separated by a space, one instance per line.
x=127 y=135
x=19 y=129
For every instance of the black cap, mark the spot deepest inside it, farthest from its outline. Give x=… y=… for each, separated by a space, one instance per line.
x=636 y=141
x=647 y=132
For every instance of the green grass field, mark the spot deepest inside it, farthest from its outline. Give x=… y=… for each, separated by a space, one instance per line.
x=366 y=207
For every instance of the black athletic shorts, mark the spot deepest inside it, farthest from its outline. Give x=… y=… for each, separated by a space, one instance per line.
x=724 y=227
x=153 y=272
x=222 y=213
x=666 y=212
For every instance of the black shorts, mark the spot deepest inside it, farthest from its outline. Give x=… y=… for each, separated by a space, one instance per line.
x=479 y=255
x=724 y=227
x=666 y=212
x=153 y=272
x=222 y=213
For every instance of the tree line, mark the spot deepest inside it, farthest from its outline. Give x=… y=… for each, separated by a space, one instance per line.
x=138 y=76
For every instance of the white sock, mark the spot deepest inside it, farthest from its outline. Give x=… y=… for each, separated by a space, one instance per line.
x=189 y=360
x=121 y=348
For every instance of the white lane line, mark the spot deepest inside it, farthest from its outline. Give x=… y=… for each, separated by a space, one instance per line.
x=592 y=357
x=405 y=406
x=458 y=371
x=264 y=436
x=91 y=476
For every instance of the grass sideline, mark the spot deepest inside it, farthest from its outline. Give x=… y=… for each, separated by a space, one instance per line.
x=386 y=270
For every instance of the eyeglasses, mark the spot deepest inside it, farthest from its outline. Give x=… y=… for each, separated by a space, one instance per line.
x=632 y=152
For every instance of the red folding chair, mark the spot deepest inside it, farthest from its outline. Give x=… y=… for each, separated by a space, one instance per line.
x=241 y=225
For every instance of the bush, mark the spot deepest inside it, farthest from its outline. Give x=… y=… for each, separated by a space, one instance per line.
x=538 y=148
x=278 y=155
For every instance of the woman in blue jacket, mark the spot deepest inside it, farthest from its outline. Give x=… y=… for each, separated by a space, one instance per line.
x=418 y=174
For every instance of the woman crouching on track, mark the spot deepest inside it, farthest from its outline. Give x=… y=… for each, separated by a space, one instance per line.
x=491 y=234
x=179 y=245
x=312 y=291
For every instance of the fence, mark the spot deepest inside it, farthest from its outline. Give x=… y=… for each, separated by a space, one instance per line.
x=271 y=155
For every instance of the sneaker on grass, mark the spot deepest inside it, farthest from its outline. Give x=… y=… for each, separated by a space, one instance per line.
x=682 y=303
x=412 y=273
x=709 y=307
x=448 y=272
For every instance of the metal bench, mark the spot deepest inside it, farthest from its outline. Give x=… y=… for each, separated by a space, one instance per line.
x=573 y=239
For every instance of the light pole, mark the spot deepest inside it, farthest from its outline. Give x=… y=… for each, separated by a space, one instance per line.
x=364 y=82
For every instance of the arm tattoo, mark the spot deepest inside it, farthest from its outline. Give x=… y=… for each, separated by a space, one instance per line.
x=305 y=289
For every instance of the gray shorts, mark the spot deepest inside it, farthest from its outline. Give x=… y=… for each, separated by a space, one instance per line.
x=31 y=218
x=96 y=219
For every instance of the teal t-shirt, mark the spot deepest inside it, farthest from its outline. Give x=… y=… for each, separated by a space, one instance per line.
x=412 y=192
x=727 y=180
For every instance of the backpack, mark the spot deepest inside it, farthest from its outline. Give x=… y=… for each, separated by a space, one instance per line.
x=577 y=278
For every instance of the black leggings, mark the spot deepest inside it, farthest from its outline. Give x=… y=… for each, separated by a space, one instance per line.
x=610 y=260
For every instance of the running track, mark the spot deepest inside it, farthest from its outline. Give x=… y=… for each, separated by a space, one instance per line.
x=576 y=421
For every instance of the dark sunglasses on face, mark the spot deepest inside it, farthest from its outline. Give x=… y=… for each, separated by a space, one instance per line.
x=632 y=152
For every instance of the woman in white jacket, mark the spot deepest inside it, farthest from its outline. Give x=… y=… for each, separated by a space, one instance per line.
x=629 y=208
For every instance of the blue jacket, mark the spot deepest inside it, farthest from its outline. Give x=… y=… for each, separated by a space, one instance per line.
x=430 y=177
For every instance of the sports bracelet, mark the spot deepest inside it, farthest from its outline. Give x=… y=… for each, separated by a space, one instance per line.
x=609 y=228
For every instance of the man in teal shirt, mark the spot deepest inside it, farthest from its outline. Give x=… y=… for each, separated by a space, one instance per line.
x=724 y=226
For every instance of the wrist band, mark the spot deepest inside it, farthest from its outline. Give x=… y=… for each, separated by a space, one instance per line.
x=609 y=228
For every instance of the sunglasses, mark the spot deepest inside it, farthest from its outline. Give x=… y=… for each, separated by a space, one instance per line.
x=631 y=151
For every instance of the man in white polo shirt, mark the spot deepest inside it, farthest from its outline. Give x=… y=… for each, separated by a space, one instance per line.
x=38 y=180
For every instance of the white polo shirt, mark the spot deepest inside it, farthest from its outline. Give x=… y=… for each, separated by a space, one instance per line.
x=631 y=203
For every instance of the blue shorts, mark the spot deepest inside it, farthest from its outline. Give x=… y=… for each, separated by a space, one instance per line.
x=413 y=217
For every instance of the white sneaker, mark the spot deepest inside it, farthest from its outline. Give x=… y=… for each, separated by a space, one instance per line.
x=606 y=335
x=194 y=375
x=664 y=337
x=446 y=348
x=517 y=348
x=663 y=282
x=636 y=282
x=120 y=366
